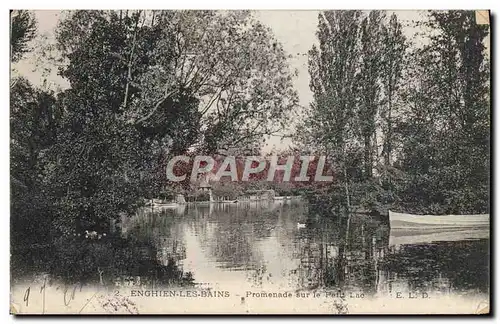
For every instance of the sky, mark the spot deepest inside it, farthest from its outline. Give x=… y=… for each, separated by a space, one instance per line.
x=294 y=29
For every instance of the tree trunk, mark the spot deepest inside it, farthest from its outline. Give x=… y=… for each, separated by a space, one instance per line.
x=129 y=65
x=388 y=139
x=346 y=182
x=368 y=157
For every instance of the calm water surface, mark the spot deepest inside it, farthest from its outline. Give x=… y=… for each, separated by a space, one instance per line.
x=262 y=246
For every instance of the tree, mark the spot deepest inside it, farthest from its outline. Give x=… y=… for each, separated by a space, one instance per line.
x=393 y=61
x=22 y=31
x=446 y=132
x=432 y=108
x=173 y=81
x=239 y=69
x=227 y=61
x=34 y=121
x=371 y=53
x=333 y=67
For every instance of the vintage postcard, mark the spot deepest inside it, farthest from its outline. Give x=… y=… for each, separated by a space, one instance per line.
x=250 y=162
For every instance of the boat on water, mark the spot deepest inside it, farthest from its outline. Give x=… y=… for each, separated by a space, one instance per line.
x=420 y=229
x=158 y=203
x=287 y=197
x=224 y=201
x=166 y=205
x=410 y=221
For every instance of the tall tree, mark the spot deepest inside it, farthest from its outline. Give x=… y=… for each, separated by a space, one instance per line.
x=371 y=53
x=34 y=122
x=446 y=147
x=333 y=67
x=228 y=61
x=146 y=85
x=393 y=61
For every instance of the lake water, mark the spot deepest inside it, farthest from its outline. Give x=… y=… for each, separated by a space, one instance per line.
x=245 y=251
x=284 y=247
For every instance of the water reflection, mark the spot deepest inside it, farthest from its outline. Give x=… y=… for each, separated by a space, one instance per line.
x=260 y=245
x=271 y=246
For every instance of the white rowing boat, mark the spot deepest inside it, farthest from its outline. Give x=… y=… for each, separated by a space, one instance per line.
x=419 y=229
x=166 y=206
x=224 y=201
x=418 y=222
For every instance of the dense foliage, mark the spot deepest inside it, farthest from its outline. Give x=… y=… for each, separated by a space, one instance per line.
x=143 y=86
x=407 y=122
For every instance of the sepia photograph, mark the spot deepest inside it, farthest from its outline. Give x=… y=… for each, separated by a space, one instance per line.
x=332 y=162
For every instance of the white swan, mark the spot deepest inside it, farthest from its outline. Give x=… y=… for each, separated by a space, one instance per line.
x=92 y=235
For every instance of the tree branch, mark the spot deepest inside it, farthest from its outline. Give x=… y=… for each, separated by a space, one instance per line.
x=131 y=57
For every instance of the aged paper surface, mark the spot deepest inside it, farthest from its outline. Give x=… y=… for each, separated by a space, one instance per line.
x=250 y=162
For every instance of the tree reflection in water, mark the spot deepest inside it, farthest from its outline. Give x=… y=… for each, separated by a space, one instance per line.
x=116 y=259
x=335 y=252
x=264 y=244
x=353 y=254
